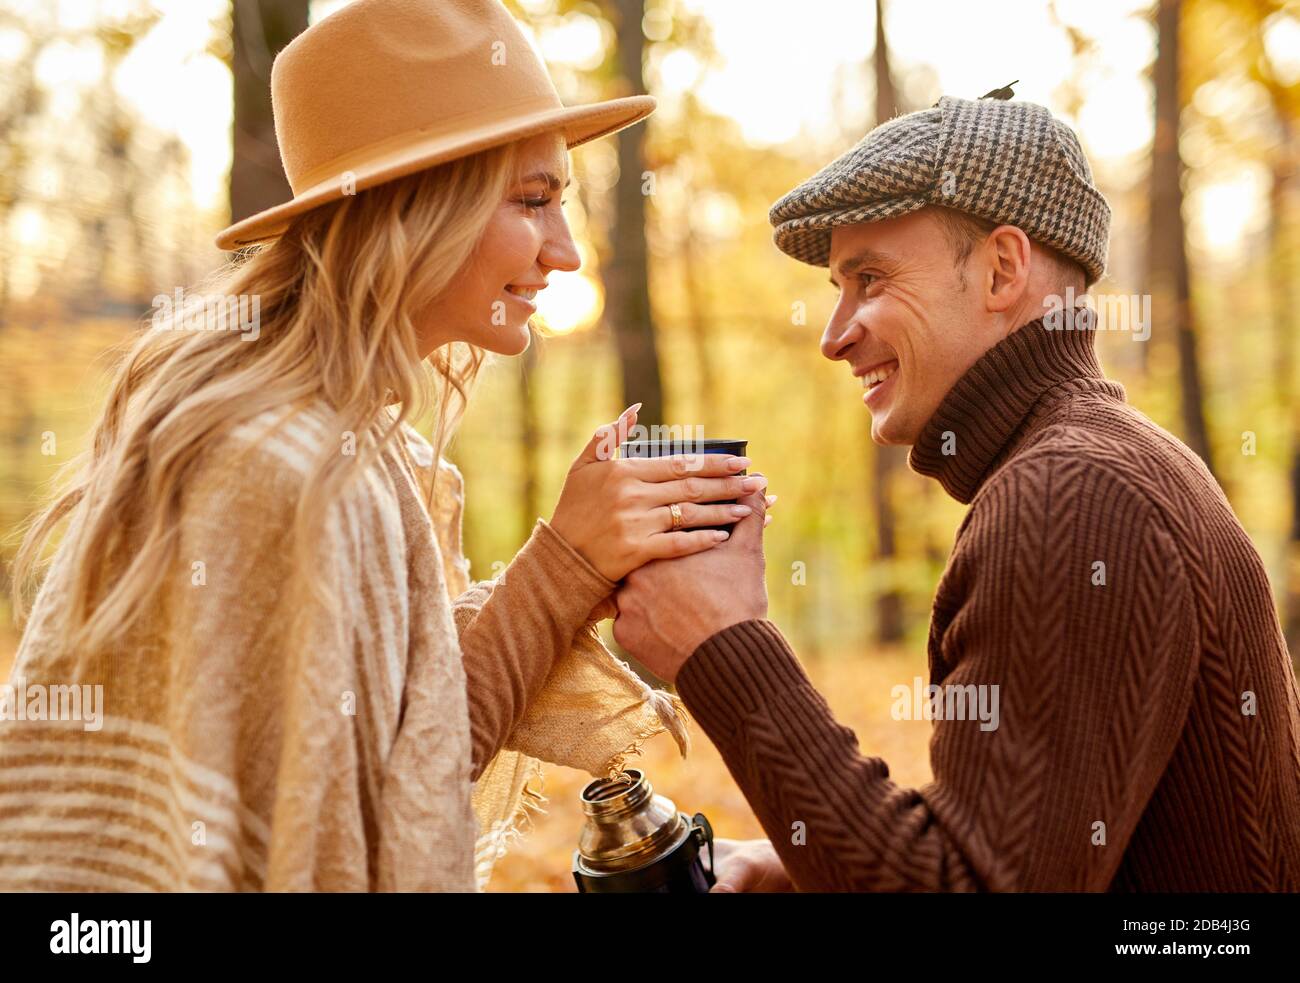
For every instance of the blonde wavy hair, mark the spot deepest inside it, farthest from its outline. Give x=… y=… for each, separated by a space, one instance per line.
x=342 y=293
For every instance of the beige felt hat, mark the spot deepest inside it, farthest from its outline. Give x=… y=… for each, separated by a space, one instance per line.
x=384 y=88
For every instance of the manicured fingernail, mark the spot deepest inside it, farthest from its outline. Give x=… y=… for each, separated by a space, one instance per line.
x=771 y=500
x=632 y=409
x=767 y=520
x=721 y=535
x=740 y=511
x=753 y=483
x=738 y=464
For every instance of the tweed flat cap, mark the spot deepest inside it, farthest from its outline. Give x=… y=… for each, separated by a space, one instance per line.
x=1007 y=161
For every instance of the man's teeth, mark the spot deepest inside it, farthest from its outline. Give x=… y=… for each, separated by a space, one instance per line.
x=520 y=292
x=879 y=375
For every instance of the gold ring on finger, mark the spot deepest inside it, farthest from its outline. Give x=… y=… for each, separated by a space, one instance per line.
x=676 y=510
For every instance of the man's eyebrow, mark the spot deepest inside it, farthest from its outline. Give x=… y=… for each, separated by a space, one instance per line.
x=552 y=182
x=858 y=259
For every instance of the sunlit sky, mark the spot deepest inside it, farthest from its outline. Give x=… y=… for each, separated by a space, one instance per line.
x=779 y=64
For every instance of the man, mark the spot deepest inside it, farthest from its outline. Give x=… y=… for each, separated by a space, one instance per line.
x=1148 y=737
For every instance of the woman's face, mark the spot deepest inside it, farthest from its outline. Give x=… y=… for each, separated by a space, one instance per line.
x=494 y=294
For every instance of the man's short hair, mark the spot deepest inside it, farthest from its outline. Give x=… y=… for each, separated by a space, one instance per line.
x=964 y=232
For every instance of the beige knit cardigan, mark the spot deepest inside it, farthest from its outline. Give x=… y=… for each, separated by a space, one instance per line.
x=384 y=742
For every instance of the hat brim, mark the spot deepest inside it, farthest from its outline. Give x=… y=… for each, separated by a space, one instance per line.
x=808 y=238
x=579 y=124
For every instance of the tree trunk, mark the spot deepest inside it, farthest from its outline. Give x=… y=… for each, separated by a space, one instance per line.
x=1285 y=296
x=884 y=460
x=697 y=317
x=259 y=29
x=627 y=276
x=1292 y=568
x=529 y=436
x=1167 y=249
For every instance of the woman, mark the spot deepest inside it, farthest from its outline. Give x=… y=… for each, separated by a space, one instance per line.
x=291 y=683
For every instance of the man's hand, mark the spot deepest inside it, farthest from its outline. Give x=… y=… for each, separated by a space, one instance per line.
x=668 y=608
x=748 y=867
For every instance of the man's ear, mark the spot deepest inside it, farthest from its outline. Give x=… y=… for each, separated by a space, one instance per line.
x=1007 y=252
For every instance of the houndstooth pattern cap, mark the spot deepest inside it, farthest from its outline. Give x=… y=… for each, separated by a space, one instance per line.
x=1007 y=161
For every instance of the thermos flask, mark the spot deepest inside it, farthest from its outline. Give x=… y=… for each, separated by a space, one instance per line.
x=635 y=841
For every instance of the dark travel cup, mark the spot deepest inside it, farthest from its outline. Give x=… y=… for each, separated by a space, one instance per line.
x=668 y=448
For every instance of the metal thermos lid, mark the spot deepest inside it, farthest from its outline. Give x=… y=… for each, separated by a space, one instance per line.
x=627 y=826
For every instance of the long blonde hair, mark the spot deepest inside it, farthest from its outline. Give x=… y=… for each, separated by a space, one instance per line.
x=341 y=293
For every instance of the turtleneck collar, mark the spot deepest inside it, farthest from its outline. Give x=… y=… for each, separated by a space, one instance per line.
x=991 y=408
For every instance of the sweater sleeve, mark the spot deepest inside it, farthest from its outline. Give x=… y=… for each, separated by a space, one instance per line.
x=1066 y=607
x=513 y=629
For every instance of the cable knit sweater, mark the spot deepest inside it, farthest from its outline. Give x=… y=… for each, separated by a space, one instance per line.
x=1149 y=731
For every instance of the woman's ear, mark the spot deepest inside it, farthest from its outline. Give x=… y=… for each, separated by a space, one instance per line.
x=1007 y=251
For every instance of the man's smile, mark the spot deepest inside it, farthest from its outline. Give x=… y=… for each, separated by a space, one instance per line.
x=876 y=374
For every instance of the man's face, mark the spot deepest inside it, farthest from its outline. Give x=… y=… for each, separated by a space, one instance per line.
x=905 y=323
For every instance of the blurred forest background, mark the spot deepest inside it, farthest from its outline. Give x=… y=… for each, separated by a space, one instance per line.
x=131 y=131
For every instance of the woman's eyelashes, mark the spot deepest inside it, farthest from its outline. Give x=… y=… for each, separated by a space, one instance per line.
x=537 y=203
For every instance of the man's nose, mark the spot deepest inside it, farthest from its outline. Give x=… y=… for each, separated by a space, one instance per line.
x=840 y=335
x=559 y=251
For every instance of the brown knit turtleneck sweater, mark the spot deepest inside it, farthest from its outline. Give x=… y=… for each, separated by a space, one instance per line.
x=1148 y=735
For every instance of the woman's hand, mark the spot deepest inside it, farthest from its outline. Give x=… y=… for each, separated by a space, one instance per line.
x=615 y=512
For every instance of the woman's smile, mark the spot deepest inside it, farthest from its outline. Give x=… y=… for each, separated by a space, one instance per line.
x=527 y=296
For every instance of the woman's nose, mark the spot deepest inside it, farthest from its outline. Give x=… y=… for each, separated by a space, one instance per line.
x=559 y=251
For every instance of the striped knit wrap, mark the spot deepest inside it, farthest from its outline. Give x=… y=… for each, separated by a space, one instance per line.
x=247 y=739
x=1010 y=162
